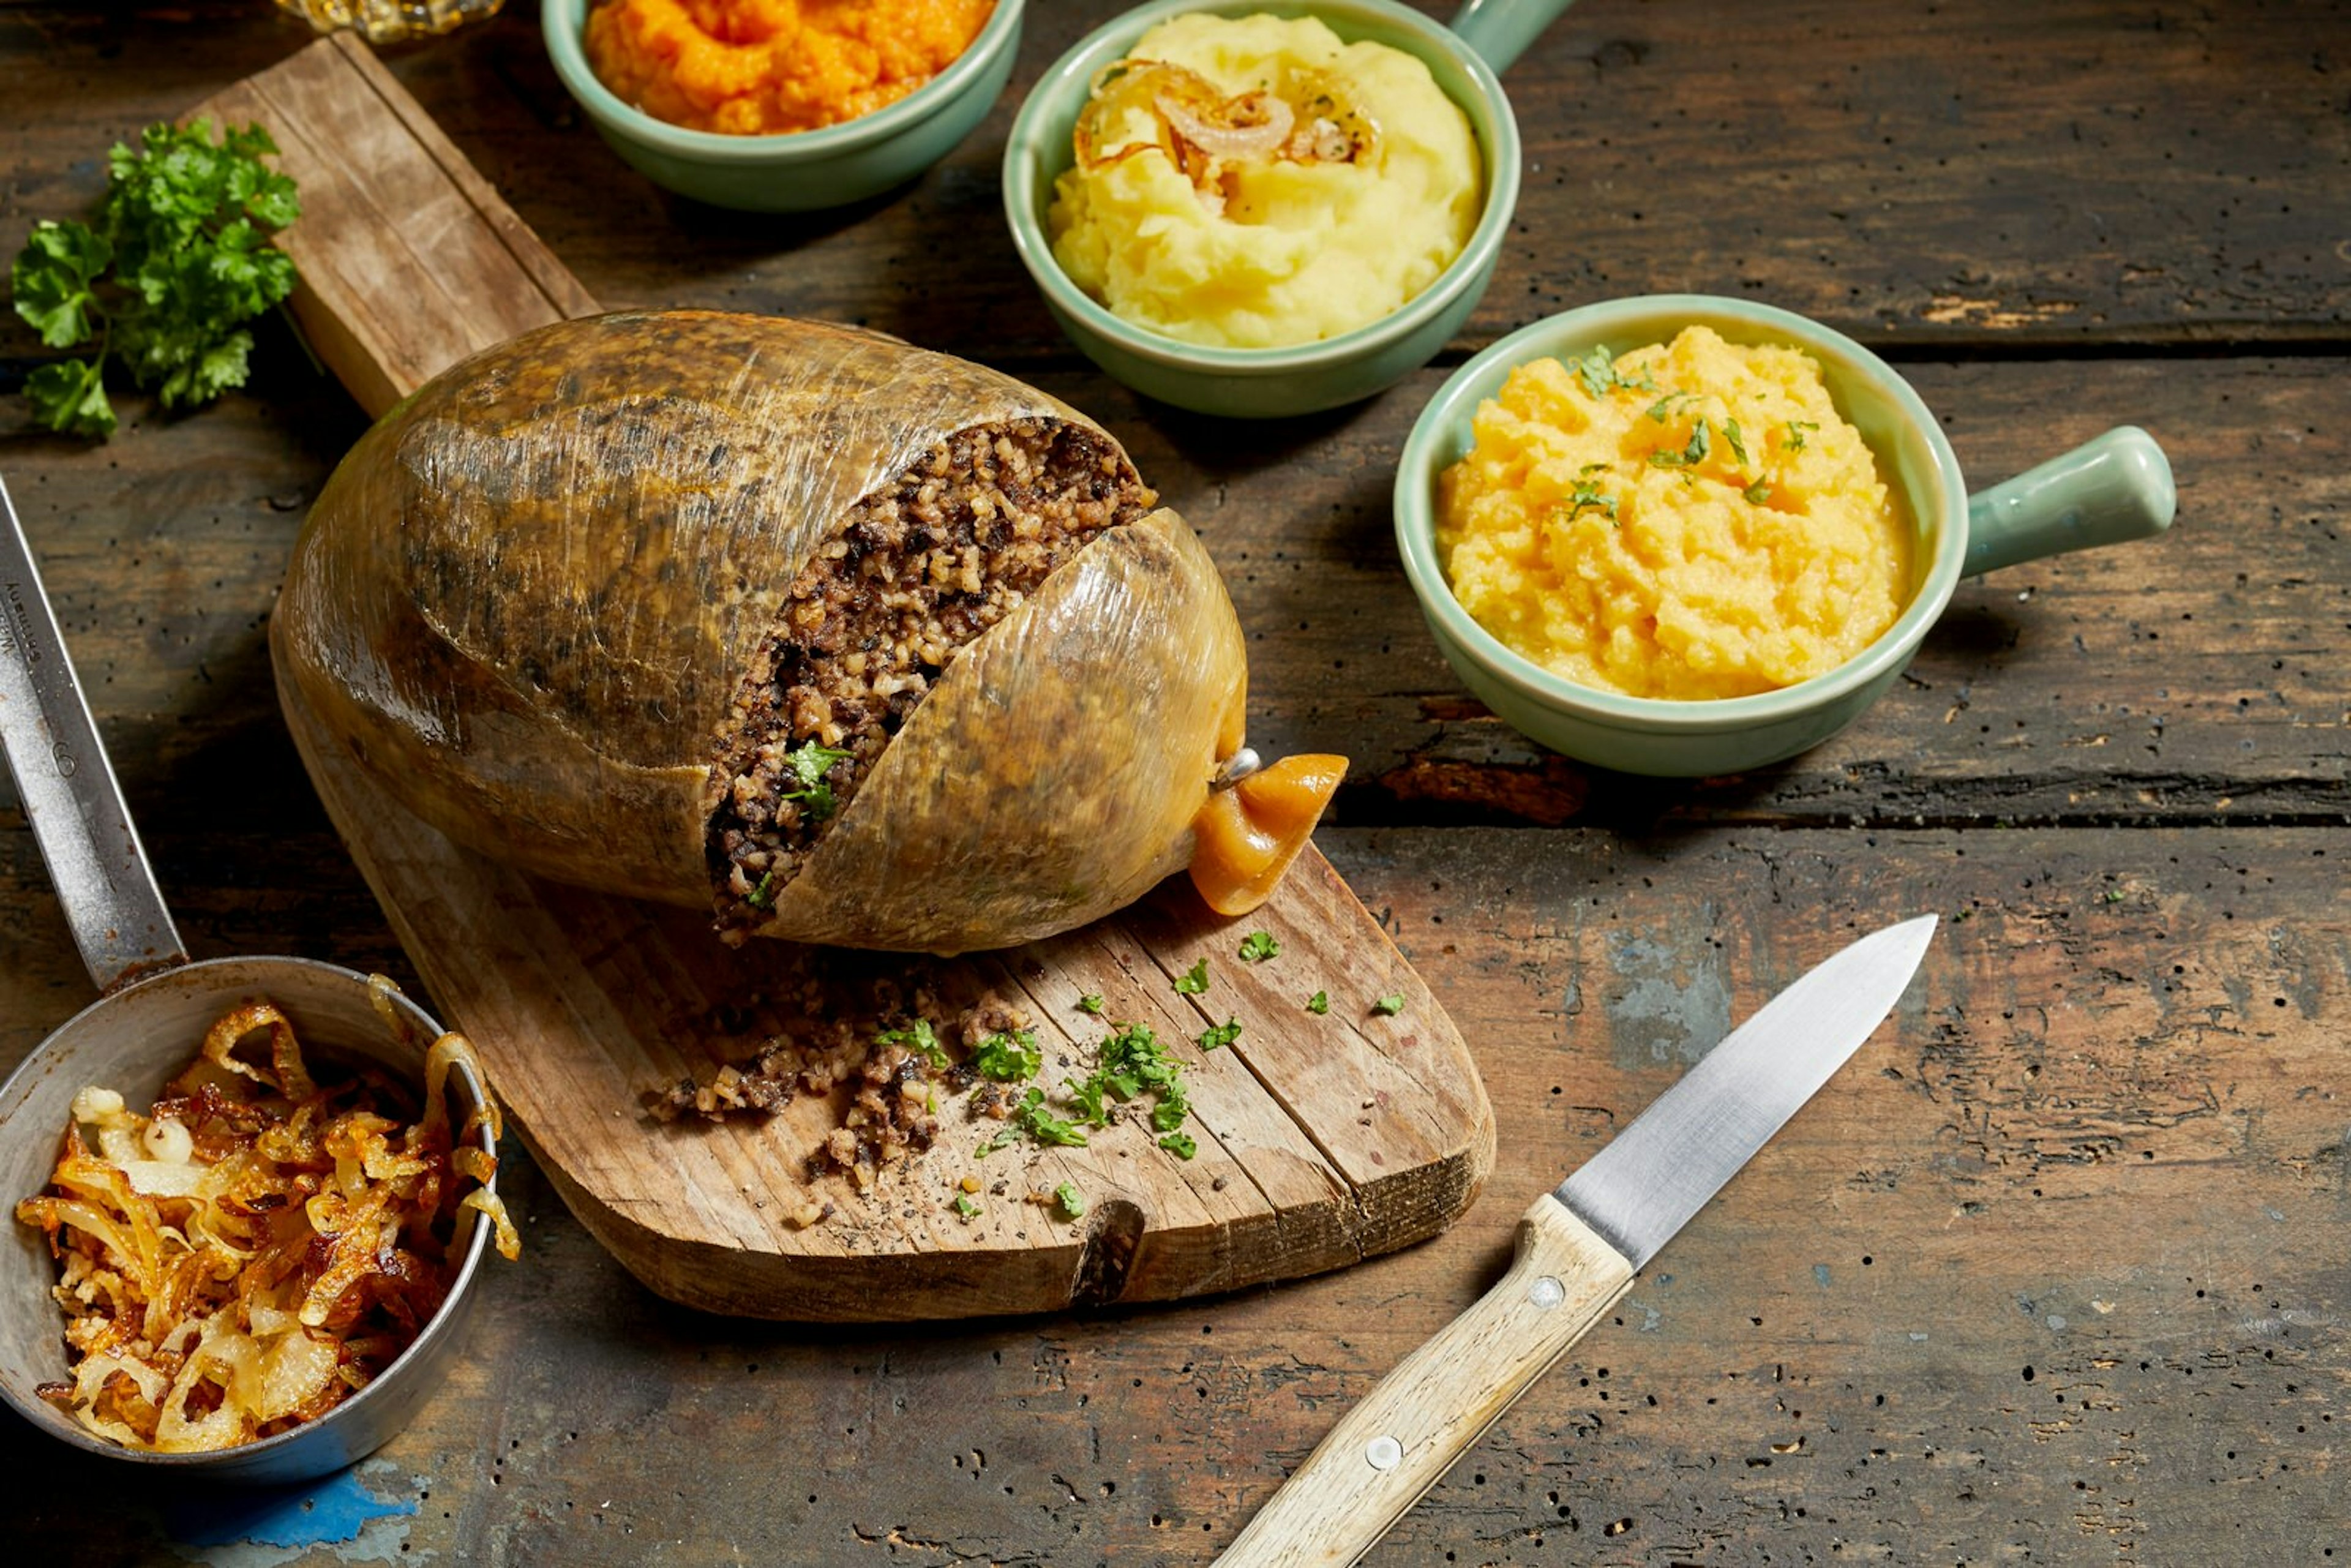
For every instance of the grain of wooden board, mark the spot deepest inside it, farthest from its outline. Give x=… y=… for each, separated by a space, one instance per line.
x=1323 y=1137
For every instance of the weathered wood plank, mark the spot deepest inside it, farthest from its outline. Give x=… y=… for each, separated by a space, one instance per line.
x=2049 y=1272
x=2115 y=1153
x=453 y=270
x=1948 y=176
x=2152 y=682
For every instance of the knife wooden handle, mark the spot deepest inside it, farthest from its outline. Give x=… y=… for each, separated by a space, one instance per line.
x=1399 y=1442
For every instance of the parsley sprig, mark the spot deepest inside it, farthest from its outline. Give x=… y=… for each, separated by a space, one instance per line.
x=1132 y=1065
x=810 y=764
x=1010 y=1057
x=919 y=1040
x=1598 y=372
x=1034 y=1118
x=178 y=260
x=1691 y=455
x=1136 y=1064
x=1589 y=498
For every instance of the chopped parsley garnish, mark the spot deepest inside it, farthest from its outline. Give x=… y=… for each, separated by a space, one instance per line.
x=764 y=894
x=1662 y=408
x=1587 y=497
x=1257 y=947
x=1222 y=1036
x=1390 y=1005
x=1072 y=1201
x=1737 y=448
x=1033 y=1117
x=1193 y=980
x=1132 y=1060
x=967 y=1206
x=1133 y=1063
x=810 y=764
x=1011 y=1056
x=1180 y=1145
x=1598 y=372
x=1089 y=1097
x=1319 y=1003
x=1689 y=456
x=920 y=1039
x=1091 y=1002
x=1796 y=428
x=1758 y=493
x=1041 y=1124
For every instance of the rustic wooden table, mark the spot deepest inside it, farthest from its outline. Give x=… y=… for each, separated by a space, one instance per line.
x=2057 y=1271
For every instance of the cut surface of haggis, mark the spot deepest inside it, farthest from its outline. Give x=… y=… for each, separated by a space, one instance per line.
x=920 y=569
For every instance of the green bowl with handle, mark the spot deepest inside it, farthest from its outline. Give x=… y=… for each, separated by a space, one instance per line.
x=1485 y=37
x=2116 y=487
x=797 y=171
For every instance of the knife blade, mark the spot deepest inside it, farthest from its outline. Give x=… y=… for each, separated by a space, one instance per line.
x=1579 y=1249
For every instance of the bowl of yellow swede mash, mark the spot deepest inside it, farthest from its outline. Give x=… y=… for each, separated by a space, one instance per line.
x=1685 y=536
x=1260 y=209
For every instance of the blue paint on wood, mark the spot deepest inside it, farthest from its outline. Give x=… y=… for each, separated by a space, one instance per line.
x=310 y=1514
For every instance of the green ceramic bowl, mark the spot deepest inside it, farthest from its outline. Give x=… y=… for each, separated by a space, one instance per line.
x=802 y=170
x=2116 y=487
x=1259 y=383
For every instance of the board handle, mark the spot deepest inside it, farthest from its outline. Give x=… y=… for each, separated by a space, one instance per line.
x=1399 y=1442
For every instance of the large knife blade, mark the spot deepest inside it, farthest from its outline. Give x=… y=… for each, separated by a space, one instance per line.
x=1578 y=1249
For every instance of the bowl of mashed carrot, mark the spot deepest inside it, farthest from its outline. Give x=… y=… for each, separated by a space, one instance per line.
x=1685 y=536
x=782 y=105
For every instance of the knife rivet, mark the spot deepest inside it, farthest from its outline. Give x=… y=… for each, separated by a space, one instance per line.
x=1546 y=1294
x=1384 y=1453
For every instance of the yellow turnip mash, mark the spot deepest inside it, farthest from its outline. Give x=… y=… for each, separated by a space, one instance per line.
x=1688 y=520
x=1363 y=188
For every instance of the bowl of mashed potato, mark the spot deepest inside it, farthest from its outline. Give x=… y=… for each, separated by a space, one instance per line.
x=782 y=105
x=1259 y=210
x=1687 y=536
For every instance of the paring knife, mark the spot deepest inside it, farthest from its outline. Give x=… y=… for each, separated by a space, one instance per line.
x=1578 y=1249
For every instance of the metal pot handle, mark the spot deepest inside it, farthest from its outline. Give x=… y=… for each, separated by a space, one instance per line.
x=67 y=787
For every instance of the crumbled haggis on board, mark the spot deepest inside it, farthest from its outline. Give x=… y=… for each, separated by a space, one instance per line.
x=873 y=1034
x=882 y=1044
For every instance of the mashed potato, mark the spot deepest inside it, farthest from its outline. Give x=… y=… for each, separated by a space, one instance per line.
x=1264 y=184
x=752 y=67
x=1688 y=521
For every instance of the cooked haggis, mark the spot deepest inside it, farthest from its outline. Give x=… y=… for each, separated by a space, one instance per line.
x=922 y=567
x=848 y=642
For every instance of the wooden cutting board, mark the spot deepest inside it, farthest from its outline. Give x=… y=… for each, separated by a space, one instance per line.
x=1323 y=1139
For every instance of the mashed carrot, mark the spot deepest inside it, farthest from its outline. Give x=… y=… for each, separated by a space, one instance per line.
x=750 y=68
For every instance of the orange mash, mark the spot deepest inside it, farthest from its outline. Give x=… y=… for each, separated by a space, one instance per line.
x=750 y=68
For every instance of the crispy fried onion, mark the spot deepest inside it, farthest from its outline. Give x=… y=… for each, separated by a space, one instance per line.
x=258 y=1247
x=1204 y=133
